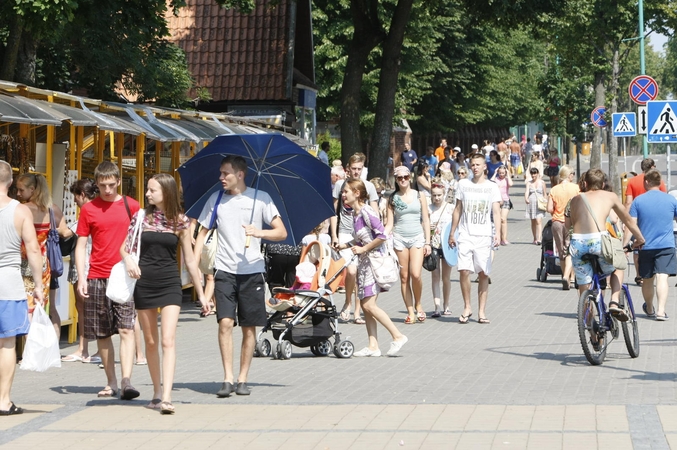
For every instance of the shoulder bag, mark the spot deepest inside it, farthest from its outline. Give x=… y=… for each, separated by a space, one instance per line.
x=208 y=255
x=120 y=288
x=430 y=261
x=53 y=249
x=612 y=248
x=542 y=200
x=385 y=267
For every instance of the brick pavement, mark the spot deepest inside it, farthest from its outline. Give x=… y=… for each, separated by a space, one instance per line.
x=520 y=382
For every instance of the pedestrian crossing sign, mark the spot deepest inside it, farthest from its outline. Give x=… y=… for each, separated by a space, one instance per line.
x=624 y=124
x=662 y=121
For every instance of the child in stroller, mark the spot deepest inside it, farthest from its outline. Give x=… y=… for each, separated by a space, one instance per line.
x=305 y=315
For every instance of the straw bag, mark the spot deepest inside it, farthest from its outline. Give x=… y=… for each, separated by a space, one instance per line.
x=120 y=288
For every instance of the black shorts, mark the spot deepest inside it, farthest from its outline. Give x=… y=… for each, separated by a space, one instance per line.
x=651 y=262
x=241 y=297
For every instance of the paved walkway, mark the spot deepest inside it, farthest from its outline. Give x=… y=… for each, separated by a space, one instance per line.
x=520 y=382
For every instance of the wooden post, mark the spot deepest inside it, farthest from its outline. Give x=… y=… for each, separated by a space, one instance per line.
x=140 y=179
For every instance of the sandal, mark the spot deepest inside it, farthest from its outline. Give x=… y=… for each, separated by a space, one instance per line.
x=107 y=392
x=447 y=312
x=166 y=408
x=359 y=321
x=617 y=311
x=13 y=410
x=638 y=281
x=483 y=320
x=409 y=320
x=421 y=316
x=154 y=404
x=435 y=315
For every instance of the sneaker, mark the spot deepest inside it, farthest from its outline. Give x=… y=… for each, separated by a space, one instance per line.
x=395 y=346
x=366 y=351
x=242 y=389
x=225 y=391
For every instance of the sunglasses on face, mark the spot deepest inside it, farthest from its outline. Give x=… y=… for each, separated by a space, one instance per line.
x=406 y=177
x=462 y=173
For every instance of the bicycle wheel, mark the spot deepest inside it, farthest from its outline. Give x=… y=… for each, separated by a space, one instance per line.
x=630 y=330
x=593 y=340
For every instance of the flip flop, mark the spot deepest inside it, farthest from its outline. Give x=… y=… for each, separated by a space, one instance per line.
x=464 y=319
x=662 y=318
x=143 y=362
x=12 y=411
x=435 y=315
x=421 y=316
x=359 y=321
x=71 y=358
x=644 y=308
x=107 y=393
x=484 y=321
x=409 y=320
x=447 y=312
x=345 y=315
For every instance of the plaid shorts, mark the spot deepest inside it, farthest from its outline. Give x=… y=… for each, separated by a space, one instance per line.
x=104 y=317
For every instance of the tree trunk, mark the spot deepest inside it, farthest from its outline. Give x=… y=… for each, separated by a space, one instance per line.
x=596 y=151
x=12 y=50
x=387 y=89
x=613 y=142
x=366 y=36
x=25 y=65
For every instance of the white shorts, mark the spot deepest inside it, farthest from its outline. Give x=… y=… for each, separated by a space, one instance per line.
x=400 y=243
x=474 y=253
x=347 y=253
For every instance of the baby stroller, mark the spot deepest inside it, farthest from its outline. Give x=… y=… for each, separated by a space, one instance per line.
x=549 y=261
x=305 y=315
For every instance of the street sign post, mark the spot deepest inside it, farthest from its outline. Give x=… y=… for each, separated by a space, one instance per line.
x=597 y=116
x=662 y=121
x=642 y=125
x=643 y=89
x=624 y=124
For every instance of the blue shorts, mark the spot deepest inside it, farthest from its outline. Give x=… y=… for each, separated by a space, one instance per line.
x=590 y=244
x=13 y=318
x=651 y=262
x=514 y=159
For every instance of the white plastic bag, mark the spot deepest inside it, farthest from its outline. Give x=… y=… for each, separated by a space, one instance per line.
x=42 y=346
x=120 y=287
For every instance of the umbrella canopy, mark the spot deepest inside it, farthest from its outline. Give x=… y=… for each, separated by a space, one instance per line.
x=298 y=183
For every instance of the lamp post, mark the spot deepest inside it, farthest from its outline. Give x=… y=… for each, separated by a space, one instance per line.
x=642 y=68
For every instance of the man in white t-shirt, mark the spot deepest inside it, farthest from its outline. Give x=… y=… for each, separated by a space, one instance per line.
x=342 y=230
x=476 y=200
x=239 y=285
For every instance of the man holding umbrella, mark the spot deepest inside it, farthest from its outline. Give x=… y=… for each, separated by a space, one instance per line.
x=239 y=265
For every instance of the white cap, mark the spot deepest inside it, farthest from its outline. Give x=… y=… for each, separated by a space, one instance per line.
x=474 y=147
x=458 y=149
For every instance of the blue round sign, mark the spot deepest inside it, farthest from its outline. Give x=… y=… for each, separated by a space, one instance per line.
x=643 y=89
x=597 y=116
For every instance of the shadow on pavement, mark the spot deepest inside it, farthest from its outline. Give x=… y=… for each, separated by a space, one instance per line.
x=210 y=387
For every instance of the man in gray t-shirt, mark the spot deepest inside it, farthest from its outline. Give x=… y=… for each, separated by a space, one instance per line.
x=342 y=230
x=239 y=286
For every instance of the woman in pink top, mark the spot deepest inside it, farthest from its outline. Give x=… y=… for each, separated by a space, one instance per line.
x=504 y=181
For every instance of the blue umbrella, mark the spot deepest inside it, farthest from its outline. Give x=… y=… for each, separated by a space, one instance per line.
x=298 y=183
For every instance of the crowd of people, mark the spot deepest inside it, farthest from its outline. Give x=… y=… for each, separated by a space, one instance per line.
x=442 y=203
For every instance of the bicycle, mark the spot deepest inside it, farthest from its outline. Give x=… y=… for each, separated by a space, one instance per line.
x=595 y=321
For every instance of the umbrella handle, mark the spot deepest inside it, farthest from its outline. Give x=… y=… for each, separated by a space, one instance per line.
x=247 y=241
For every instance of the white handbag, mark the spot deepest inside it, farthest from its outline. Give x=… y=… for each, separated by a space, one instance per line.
x=120 y=287
x=208 y=255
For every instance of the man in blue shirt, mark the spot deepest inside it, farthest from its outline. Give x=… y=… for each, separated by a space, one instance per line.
x=654 y=213
x=431 y=160
x=409 y=157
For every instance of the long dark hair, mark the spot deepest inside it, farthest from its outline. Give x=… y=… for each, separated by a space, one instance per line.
x=170 y=198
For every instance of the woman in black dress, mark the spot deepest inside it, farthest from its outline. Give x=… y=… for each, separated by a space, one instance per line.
x=159 y=283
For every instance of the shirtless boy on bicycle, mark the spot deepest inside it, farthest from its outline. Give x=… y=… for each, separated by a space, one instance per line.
x=587 y=238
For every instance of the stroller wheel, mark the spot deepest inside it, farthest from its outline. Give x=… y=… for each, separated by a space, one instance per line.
x=263 y=348
x=538 y=274
x=323 y=348
x=284 y=350
x=344 y=349
x=313 y=349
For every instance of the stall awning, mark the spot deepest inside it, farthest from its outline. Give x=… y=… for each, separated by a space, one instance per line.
x=16 y=109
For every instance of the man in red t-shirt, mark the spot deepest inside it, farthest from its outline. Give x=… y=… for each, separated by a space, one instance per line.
x=634 y=189
x=106 y=219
